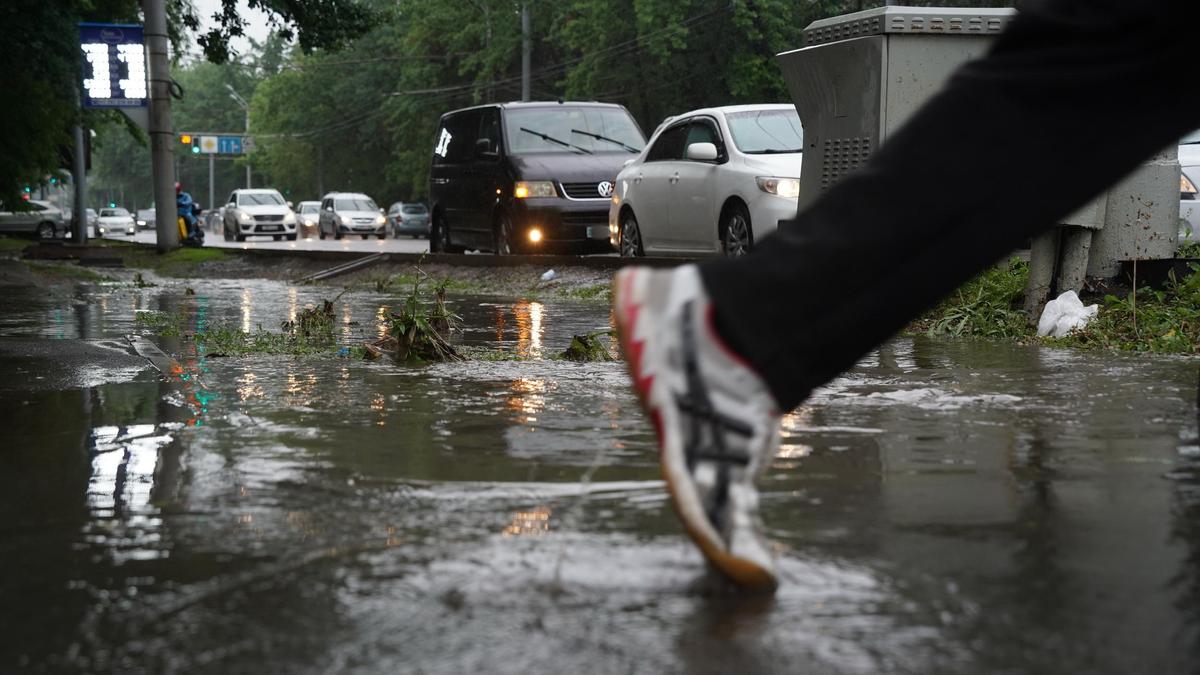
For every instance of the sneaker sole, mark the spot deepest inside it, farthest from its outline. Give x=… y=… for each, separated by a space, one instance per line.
x=741 y=571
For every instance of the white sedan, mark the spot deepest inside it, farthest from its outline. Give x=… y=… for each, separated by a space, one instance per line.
x=115 y=221
x=711 y=181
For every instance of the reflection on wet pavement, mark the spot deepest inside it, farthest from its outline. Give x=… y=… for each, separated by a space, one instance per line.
x=943 y=507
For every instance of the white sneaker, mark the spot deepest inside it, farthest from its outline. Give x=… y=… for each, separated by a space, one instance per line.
x=717 y=423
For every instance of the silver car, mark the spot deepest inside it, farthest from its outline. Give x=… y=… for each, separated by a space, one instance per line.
x=347 y=213
x=411 y=219
x=710 y=182
x=307 y=215
x=258 y=212
x=37 y=217
x=115 y=221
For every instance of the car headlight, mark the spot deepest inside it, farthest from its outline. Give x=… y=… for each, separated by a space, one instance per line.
x=1187 y=189
x=245 y=217
x=533 y=188
x=380 y=220
x=289 y=219
x=141 y=223
x=783 y=187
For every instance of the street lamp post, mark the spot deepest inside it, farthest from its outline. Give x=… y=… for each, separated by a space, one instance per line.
x=245 y=107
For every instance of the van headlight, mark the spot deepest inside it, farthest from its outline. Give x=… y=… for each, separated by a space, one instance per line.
x=289 y=219
x=380 y=220
x=533 y=188
x=783 y=187
x=245 y=217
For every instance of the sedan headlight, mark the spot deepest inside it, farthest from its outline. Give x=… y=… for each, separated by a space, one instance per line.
x=783 y=187
x=534 y=188
x=1187 y=189
x=245 y=217
x=380 y=220
x=141 y=223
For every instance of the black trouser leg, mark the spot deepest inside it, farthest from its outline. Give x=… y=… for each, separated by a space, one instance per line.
x=1071 y=98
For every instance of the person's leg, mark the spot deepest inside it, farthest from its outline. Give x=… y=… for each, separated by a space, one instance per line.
x=1071 y=98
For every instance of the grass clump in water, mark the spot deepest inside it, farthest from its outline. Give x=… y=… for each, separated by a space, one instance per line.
x=588 y=347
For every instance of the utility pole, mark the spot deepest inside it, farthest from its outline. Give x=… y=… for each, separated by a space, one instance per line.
x=79 y=231
x=212 y=193
x=245 y=107
x=526 y=50
x=161 y=134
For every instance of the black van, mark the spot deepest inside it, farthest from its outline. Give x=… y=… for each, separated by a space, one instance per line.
x=528 y=177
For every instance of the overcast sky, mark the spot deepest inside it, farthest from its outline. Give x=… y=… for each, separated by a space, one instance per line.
x=256 y=23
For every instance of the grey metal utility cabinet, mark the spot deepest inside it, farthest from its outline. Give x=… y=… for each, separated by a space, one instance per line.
x=862 y=75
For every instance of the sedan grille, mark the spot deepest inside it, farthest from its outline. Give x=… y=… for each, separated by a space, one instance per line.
x=268 y=219
x=582 y=190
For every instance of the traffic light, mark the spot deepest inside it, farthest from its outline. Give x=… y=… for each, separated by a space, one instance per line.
x=190 y=140
x=186 y=139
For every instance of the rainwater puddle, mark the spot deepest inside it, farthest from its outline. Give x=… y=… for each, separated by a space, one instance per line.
x=943 y=507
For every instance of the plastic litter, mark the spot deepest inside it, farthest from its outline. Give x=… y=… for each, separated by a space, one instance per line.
x=549 y=275
x=1065 y=314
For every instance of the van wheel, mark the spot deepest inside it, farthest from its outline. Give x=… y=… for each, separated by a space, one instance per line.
x=736 y=235
x=502 y=236
x=631 y=237
x=439 y=238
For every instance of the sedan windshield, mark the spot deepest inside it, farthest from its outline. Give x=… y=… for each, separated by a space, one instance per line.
x=310 y=208
x=354 y=205
x=260 y=199
x=108 y=213
x=765 y=132
x=567 y=128
x=413 y=208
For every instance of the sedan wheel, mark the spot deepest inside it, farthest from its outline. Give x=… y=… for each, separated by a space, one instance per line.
x=736 y=238
x=631 y=237
x=45 y=231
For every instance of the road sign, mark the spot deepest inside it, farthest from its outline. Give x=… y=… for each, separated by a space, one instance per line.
x=114 y=65
x=209 y=145
x=247 y=144
x=229 y=145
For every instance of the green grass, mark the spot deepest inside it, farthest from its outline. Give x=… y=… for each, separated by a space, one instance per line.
x=177 y=263
x=67 y=271
x=597 y=292
x=1163 y=321
x=14 y=245
x=987 y=307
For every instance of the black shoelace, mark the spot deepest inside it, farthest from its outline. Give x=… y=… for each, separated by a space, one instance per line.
x=706 y=433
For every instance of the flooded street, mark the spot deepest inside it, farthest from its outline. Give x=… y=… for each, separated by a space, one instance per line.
x=944 y=507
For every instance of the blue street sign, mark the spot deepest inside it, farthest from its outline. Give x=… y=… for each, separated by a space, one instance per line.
x=229 y=145
x=114 y=65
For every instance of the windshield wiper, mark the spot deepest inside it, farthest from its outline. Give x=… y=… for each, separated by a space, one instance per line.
x=551 y=139
x=773 y=151
x=598 y=137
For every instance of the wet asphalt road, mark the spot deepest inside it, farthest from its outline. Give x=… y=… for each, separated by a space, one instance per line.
x=953 y=507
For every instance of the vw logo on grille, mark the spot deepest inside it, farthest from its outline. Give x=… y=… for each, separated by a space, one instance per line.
x=605 y=188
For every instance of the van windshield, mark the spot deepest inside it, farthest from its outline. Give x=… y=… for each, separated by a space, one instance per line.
x=575 y=129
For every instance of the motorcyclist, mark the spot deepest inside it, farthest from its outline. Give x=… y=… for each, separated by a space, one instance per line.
x=188 y=209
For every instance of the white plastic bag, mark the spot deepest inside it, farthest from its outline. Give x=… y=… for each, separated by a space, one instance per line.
x=1065 y=314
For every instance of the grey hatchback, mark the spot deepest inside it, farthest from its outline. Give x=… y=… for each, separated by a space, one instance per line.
x=411 y=219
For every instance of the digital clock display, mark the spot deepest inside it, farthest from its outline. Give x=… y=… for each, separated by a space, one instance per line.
x=114 y=65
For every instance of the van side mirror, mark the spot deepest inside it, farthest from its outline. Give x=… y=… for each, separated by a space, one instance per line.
x=484 y=147
x=702 y=152
x=291 y=206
